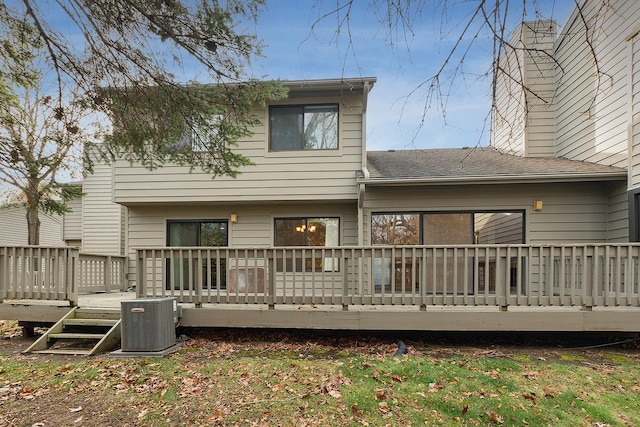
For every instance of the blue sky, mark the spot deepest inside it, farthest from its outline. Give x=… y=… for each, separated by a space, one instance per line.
x=292 y=51
x=400 y=60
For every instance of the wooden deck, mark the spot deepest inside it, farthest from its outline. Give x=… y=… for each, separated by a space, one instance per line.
x=372 y=318
x=518 y=288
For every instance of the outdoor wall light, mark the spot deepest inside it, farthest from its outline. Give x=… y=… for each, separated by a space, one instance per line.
x=537 y=205
x=234 y=218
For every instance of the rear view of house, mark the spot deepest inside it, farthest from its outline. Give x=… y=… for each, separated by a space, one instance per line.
x=531 y=233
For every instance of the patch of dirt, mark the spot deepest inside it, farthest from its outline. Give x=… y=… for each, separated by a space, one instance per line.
x=309 y=344
x=565 y=348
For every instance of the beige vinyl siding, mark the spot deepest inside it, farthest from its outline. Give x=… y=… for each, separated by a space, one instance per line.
x=618 y=215
x=147 y=225
x=634 y=113
x=592 y=120
x=524 y=121
x=572 y=212
x=102 y=226
x=72 y=221
x=14 y=232
x=539 y=77
x=304 y=175
x=509 y=114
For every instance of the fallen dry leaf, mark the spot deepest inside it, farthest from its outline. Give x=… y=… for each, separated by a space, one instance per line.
x=395 y=378
x=434 y=387
x=356 y=411
x=381 y=394
x=495 y=419
x=550 y=391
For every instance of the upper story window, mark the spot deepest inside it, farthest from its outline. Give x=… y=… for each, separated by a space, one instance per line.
x=199 y=139
x=303 y=127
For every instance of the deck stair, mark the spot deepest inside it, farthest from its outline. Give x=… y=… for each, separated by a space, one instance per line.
x=81 y=332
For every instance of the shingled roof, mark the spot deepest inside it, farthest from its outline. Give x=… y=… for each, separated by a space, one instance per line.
x=478 y=165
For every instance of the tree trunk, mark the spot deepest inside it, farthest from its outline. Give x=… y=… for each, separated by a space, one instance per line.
x=33 y=225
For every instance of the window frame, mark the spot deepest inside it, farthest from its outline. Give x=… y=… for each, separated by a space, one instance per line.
x=421 y=214
x=191 y=139
x=302 y=146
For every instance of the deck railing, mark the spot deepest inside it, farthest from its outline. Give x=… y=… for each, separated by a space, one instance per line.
x=584 y=275
x=102 y=273
x=57 y=273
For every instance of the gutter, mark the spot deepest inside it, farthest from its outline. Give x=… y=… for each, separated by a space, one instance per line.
x=363 y=154
x=363 y=161
x=324 y=84
x=496 y=179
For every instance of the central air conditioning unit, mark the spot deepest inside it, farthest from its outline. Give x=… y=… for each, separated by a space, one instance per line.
x=148 y=324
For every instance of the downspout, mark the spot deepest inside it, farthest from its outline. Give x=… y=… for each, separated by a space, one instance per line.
x=363 y=157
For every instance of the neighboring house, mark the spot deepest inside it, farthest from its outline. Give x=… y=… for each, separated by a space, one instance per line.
x=580 y=108
x=13 y=228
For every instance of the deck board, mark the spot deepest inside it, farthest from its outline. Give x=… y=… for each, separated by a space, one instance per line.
x=363 y=317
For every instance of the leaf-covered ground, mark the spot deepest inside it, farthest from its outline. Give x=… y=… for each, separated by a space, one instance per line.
x=314 y=378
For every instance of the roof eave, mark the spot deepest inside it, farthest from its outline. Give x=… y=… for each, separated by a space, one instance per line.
x=496 y=179
x=327 y=84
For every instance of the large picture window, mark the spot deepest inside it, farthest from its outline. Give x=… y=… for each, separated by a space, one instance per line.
x=307 y=232
x=303 y=127
x=447 y=228
x=191 y=233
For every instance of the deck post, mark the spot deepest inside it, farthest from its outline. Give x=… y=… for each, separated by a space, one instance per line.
x=272 y=282
x=73 y=275
x=503 y=265
x=107 y=274
x=4 y=281
x=124 y=275
x=140 y=273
